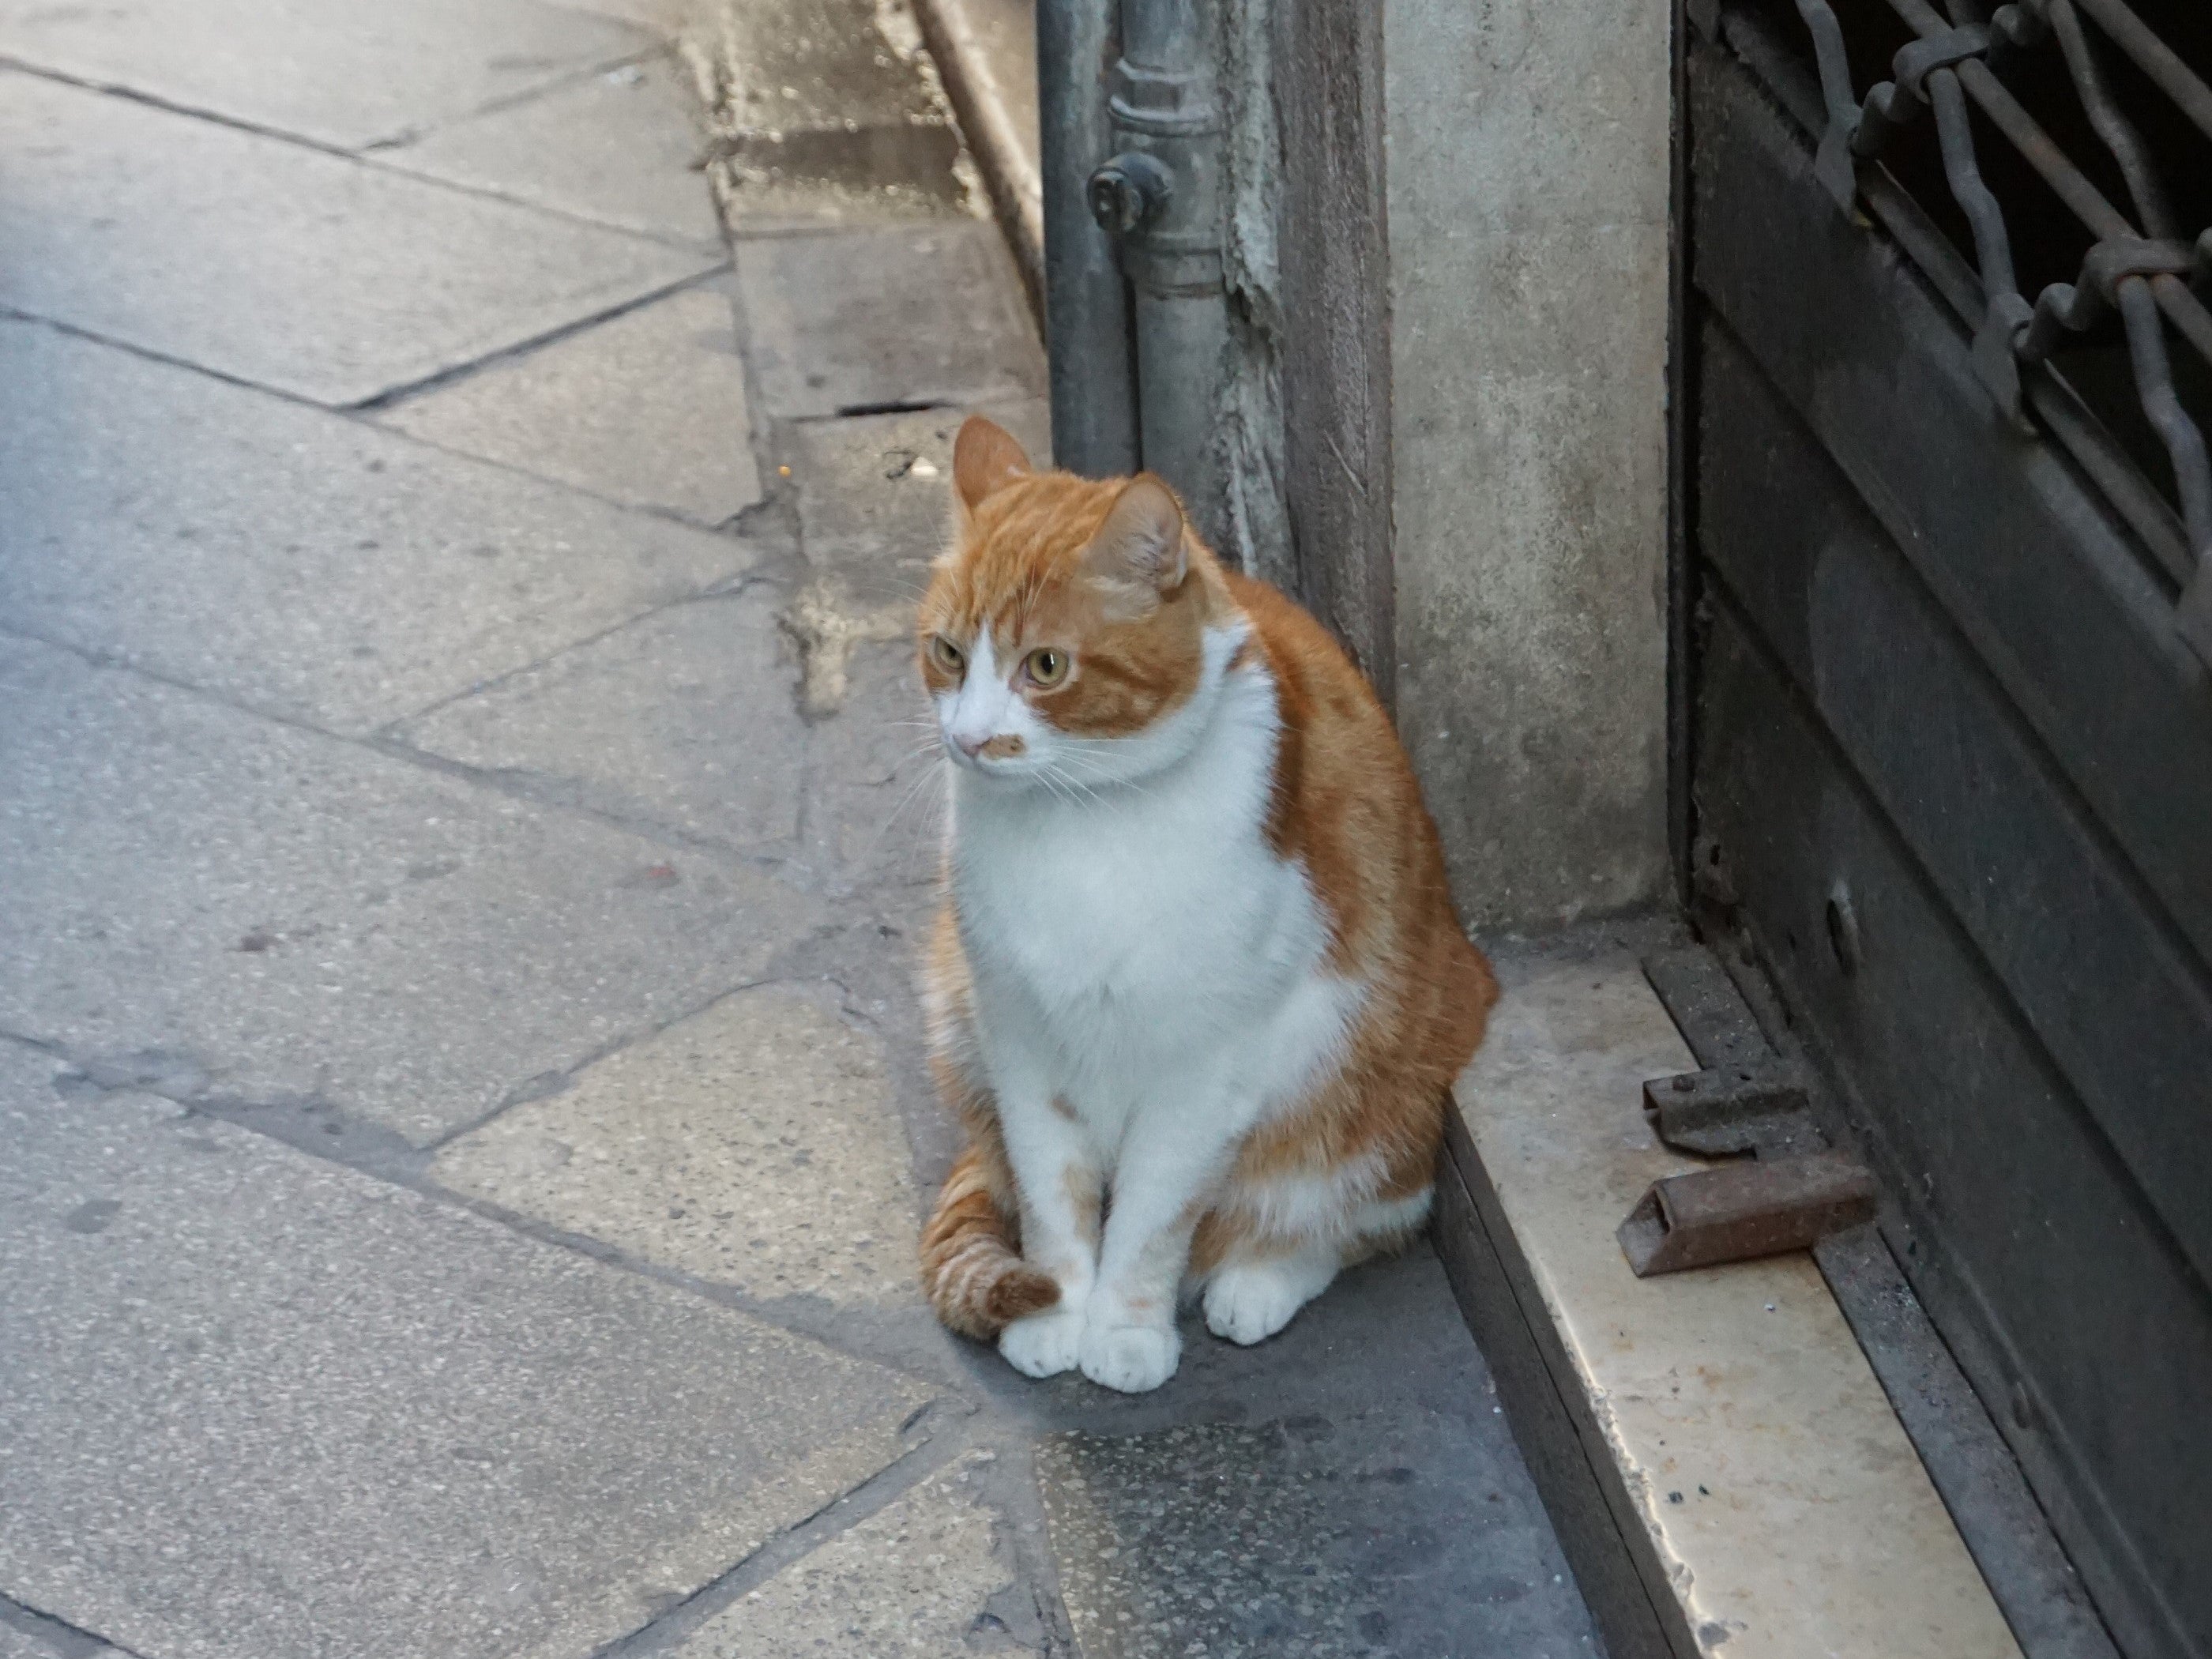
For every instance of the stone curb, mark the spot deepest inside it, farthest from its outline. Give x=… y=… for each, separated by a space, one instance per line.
x=986 y=55
x=1724 y=1466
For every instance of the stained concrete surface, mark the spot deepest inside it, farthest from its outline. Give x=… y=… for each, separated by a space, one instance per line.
x=683 y=717
x=744 y=1145
x=304 y=564
x=347 y=75
x=646 y=408
x=265 y=1404
x=308 y=274
x=821 y=115
x=875 y=317
x=915 y=1580
x=1529 y=337
x=1290 y=1538
x=466 y=1118
x=620 y=146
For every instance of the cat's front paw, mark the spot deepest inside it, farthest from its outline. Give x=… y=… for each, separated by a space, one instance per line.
x=1044 y=1344
x=1132 y=1358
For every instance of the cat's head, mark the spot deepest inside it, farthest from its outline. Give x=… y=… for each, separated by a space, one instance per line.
x=1064 y=638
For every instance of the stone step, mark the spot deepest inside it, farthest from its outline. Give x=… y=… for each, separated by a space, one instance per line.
x=1721 y=1459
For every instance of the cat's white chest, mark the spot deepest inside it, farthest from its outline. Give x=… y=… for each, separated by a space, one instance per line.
x=1143 y=927
x=1135 y=906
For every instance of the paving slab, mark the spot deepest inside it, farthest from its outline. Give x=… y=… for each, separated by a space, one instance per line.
x=687 y=718
x=1387 y=1532
x=894 y=315
x=647 y=409
x=620 y=146
x=875 y=491
x=754 y=1145
x=914 y=1581
x=877 y=791
x=315 y=934
x=298 y=561
x=875 y=510
x=25 y=1635
x=258 y=1405
x=350 y=75
x=291 y=268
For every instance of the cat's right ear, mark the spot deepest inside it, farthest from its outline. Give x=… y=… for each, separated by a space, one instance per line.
x=1140 y=546
x=985 y=458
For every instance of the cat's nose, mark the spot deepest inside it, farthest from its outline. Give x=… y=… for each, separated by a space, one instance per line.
x=970 y=747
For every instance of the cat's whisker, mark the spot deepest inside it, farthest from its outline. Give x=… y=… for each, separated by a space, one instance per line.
x=1085 y=792
x=936 y=774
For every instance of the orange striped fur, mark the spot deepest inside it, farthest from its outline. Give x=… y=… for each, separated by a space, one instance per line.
x=1143 y=635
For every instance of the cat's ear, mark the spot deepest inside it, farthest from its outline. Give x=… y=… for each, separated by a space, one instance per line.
x=1140 y=546
x=985 y=458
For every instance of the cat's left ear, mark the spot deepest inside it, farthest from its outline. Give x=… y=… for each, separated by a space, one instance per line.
x=1140 y=546
x=985 y=458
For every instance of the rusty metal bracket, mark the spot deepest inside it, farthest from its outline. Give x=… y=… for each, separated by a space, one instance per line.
x=1740 y=1211
x=1757 y=1107
x=1791 y=1191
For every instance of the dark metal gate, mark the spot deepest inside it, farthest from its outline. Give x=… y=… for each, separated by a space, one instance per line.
x=1944 y=757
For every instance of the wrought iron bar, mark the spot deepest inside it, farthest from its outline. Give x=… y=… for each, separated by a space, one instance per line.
x=2112 y=128
x=2005 y=314
x=1831 y=165
x=2139 y=267
x=2072 y=186
x=2155 y=58
x=2192 y=468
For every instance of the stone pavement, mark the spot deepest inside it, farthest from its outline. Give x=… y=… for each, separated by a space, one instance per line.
x=462 y=841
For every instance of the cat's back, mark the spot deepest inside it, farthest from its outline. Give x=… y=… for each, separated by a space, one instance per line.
x=1347 y=808
x=1344 y=791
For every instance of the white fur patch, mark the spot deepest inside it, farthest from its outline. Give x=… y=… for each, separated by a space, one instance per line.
x=1139 y=953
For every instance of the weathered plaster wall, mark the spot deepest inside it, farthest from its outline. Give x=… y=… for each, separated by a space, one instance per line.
x=1525 y=164
x=1250 y=426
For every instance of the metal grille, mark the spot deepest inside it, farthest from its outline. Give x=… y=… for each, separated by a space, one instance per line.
x=2121 y=326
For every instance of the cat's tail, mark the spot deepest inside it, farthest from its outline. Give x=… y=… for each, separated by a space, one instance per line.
x=971 y=1272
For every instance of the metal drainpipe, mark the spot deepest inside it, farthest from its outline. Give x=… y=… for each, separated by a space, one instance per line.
x=1160 y=197
x=1093 y=360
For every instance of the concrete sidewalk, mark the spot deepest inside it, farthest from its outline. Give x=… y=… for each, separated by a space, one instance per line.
x=461 y=1132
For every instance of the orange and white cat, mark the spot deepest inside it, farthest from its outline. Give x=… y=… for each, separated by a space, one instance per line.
x=1197 y=989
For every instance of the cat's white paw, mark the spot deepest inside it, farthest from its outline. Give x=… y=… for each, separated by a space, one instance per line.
x=1250 y=1301
x=1132 y=1358
x=1044 y=1344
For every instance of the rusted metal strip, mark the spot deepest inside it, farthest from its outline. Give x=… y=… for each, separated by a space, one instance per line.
x=1742 y=1211
x=1758 y=1107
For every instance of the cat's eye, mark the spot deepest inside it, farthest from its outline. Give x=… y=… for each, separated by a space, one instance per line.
x=946 y=655
x=1046 y=666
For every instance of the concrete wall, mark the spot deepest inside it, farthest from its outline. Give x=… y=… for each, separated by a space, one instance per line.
x=1525 y=159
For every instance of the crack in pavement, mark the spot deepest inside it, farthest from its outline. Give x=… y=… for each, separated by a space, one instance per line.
x=824 y=625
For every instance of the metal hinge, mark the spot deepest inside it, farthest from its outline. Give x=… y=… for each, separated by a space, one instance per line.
x=1791 y=1191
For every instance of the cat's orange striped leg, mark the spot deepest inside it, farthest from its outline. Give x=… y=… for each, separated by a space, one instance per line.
x=1057 y=1181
